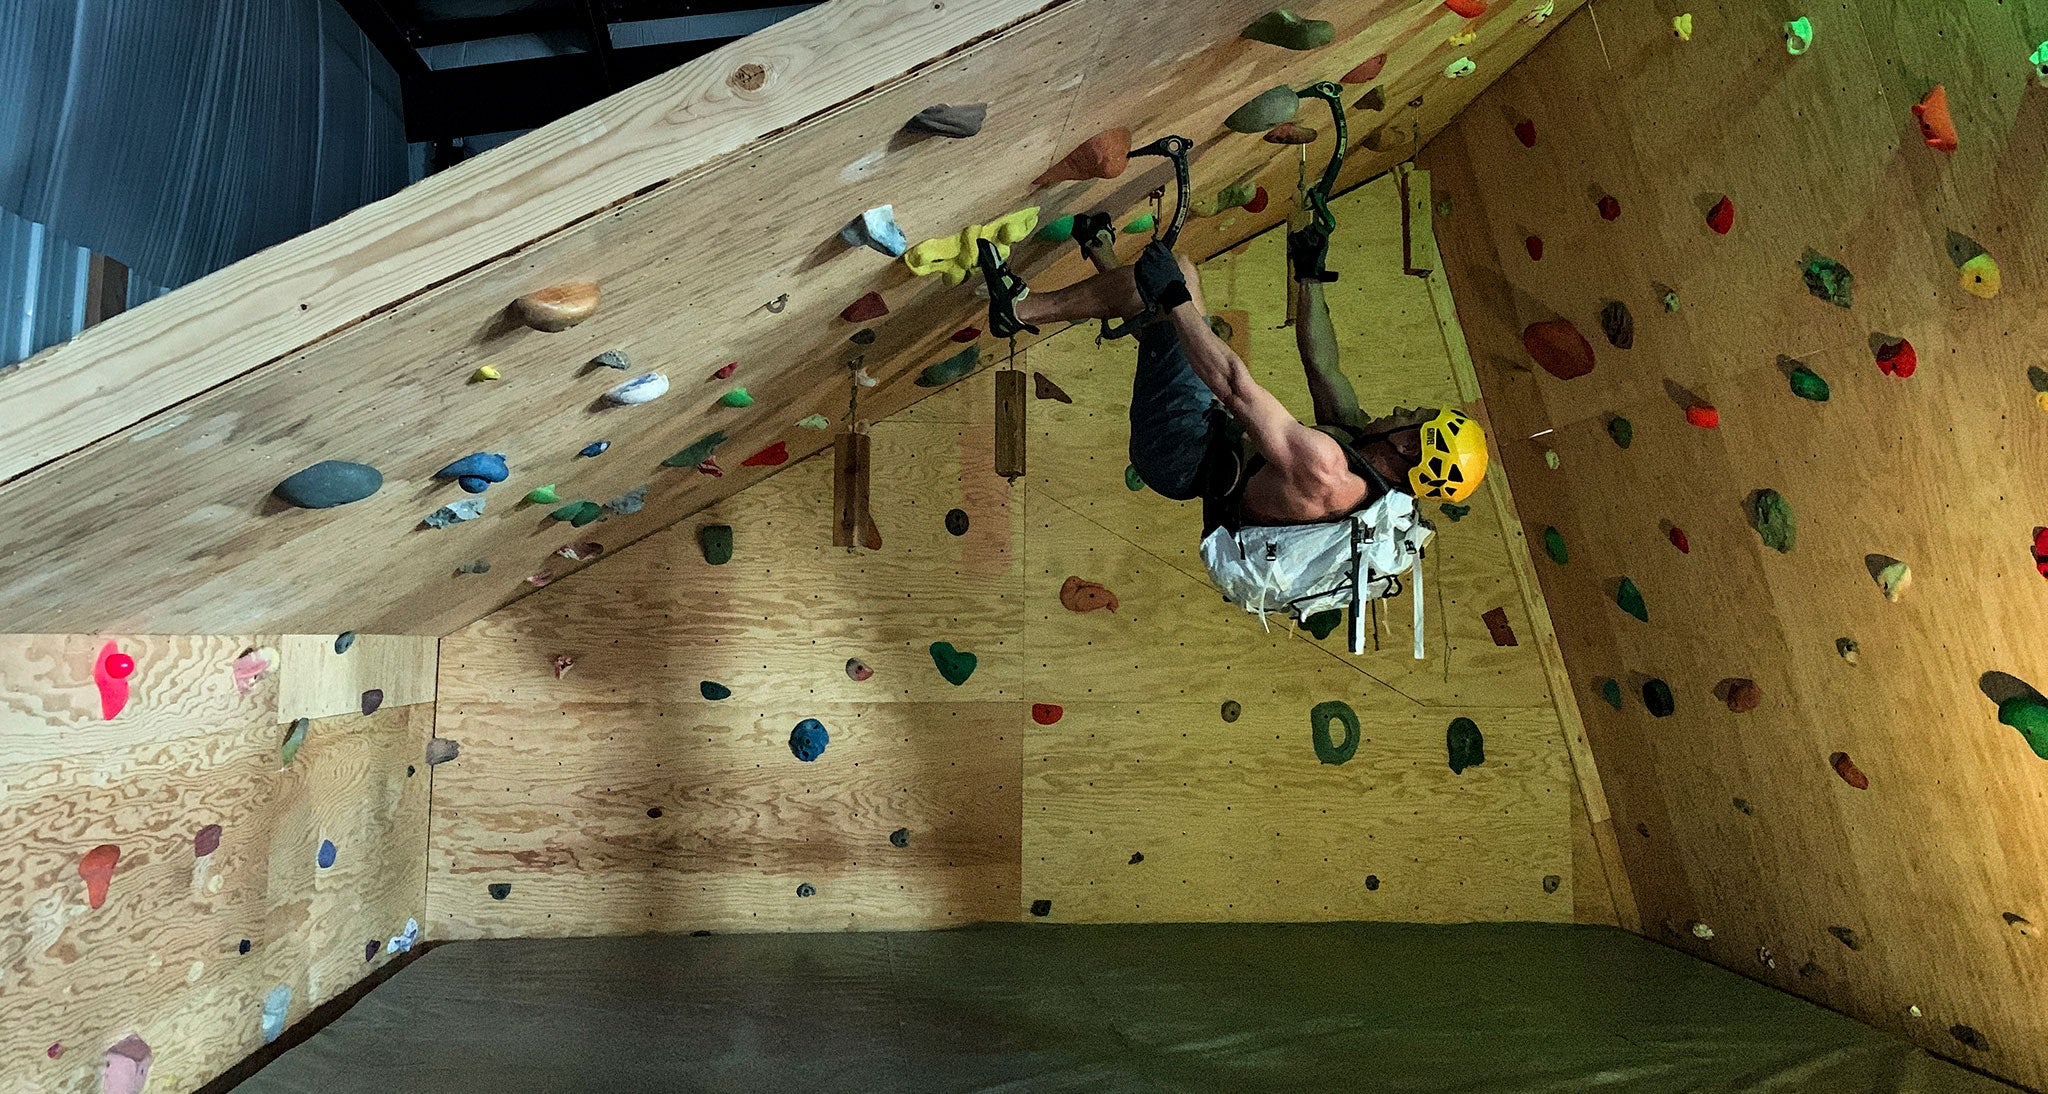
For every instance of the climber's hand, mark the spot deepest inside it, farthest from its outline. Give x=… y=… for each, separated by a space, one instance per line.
x=1308 y=251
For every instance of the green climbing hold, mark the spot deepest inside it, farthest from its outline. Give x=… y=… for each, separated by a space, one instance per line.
x=1828 y=279
x=696 y=453
x=1322 y=623
x=950 y=369
x=1630 y=599
x=1455 y=511
x=1143 y=222
x=1610 y=690
x=1622 y=430
x=543 y=495
x=815 y=421
x=955 y=665
x=1657 y=696
x=1235 y=196
x=1774 y=521
x=1319 y=719
x=1268 y=109
x=1057 y=231
x=1807 y=384
x=714 y=691
x=716 y=542
x=737 y=397
x=579 y=513
x=1467 y=746
x=294 y=739
x=2037 y=377
x=2029 y=715
x=1131 y=479
x=1554 y=546
x=1287 y=30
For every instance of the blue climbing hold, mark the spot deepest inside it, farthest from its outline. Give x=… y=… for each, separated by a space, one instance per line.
x=329 y=483
x=595 y=448
x=808 y=740
x=326 y=853
x=276 y=1007
x=714 y=691
x=476 y=471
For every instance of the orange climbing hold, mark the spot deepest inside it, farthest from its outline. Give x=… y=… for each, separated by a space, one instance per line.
x=1850 y=773
x=1470 y=9
x=1046 y=714
x=1721 y=218
x=1705 y=417
x=1559 y=348
x=1102 y=156
x=97 y=868
x=1079 y=595
x=1937 y=128
x=1897 y=359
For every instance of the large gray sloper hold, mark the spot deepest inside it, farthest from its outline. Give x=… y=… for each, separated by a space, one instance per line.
x=329 y=483
x=949 y=121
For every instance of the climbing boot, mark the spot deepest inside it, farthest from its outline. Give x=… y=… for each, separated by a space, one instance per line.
x=1005 y=289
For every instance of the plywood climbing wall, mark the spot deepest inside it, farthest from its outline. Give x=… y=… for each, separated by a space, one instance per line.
x=1911 y=902
x=169 y=875
x=1083 y=770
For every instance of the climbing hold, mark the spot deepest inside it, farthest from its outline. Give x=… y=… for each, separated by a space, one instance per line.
x=1854 y=776
x=1470 y=9
x=737 y=398
x=1257 y=202
x=1610 y=690
x=711 y=468
x=1610 y=207
x=476 y=471
x=1657 y=697
x=1234 y=196
x=1375 y=99
x=950 y=369
x=581 y=551
x=595 y=449
x=540 y=579
x=1679 y=540
x=110 y=672
x=954 y=664
x=1287 y=30
x=640 y=389
x=628 y=503
x=2018 y=923
x=808 y=740
x=454 y=513
x=1368 y=70
x=2028 y=714
x=713 y=690
x=1540 y=12
x=1132 y=481
x=1704 y=416
x=1622 y=431
x=1618 y=324
x=1702 y=932
x=1322 y=623
x=1534 y=245
x=1455 y=512
x=1937 y=128
x=1102 y=156
x=868 y=307
x=557 y=308
x=1969 y=1036
x=487 y=372
x=1290 y=133
x=1041 y=908
x=1232 y=710
x=1681 y=27
x=900 y=838
x=440 y=750
x=1894 y=580
x=329 y=483
x=325 y=856
x=775 y=455
x=1319 y=720
x=1807 y=384
x=578 y=513
x=251 y=667
x=814 y=421
x=858 y=670
x=876 y=230
x=126 y=1068
x=2039 y=59
x=1744 y=696
x=96 y=867
x=1460 y=68
x=1630 y=599
x=1057 y=231
x=1372 y=883
x=1498 y=627
x=1525 y=131
x=1799 y=36
x=372 y=699
x=499 y=890
x=1828 y=279
x=1979 y=277
x=1266 y=110
x=1743 y=807
x=805 y=889
x=1774 y=521
x=613 y=358
x=1671 y=301
x=1721 y=218
x=2040 y=549
x=860 y=375
x=863 y=337
x=697 y=453
x=1136 y=858
x=1554 y=546
x=716 y=542
x=944 y=120
x=956 y=522
x=206 y=841
x=968 y=334
x=1847 y=649
x=1078 y=595
x=543 y=495
x=562 y=663
x=294 y=739
x=1550 y=459
x=1558 y=348
x=1046 y=714
x=1465 y=744
x=1897 y=358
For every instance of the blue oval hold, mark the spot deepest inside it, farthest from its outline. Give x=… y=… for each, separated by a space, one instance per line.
x=808 y=740
x=329 y=483
x=326 y=853
x=482 y=467
x=595 y=448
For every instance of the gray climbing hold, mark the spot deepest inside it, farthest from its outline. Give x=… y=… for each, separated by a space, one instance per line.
x=440 y=750
x=613 y=358
x=1270 y=108
x=629 y=502
x=900 y=838
x=329 y=483
x=475 y=566
x=944 y=120
x=372 y=699
x=806 y=889
x=499 y=890
x=455 y=513
x=345 y=639
x=876 y=230
x=276 y=1007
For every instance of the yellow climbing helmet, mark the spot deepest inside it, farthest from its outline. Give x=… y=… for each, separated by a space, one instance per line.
x=1453 y=458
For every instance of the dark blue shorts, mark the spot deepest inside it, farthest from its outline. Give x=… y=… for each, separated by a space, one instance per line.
x=1175 y=418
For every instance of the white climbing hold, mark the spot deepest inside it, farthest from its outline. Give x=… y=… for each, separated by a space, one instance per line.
x=876 y=229
x=455 y=513
x=1460 y=68
x=639 y=389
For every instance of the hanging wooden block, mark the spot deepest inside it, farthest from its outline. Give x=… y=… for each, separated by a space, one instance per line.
x=1010 y=423
x=852 y=526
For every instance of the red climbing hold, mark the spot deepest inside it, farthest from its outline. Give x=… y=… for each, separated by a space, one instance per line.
x=97 y=868
x=966 y=334
x=1705 y=417
x=563 y=663
x=726 y=372
x=110 y=670
x=1937 y=128
x=1081 y=595
x=1610 y=209
x=1897 y=359
x=1046 y=714
x=1525 y=131
x=775 y=455
x=1559 y=348
x=1470 y=9
x=1721 y=218
x=1534 y=245
x=1744 y=696
x=1679 y=541
x=1365 y=72
x=1850 y=773
x=871 y=306
x=2041 y=550
x=1258 y=202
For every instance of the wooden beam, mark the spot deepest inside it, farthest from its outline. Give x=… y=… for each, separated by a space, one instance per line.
x=1010 y=402
x=853 y=525
x=106 y=289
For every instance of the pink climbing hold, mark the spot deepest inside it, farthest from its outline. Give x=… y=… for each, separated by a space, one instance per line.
x=249 y=668
x=1679 y=540
x=1897 y=359
x=55 y=1050
x=775 y=455
x=97 y=868
x=126 y=1069
x=1525 y=131
x=711 y=468
x=110 y=671
x=563 y=663
x=857 y=670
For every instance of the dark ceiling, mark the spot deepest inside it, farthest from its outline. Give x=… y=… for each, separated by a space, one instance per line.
x=471 y=67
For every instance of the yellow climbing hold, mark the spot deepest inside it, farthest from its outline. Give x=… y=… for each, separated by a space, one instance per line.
x=488 y=372
x=1681 y=27
x=1464 y=39
x=2041 y=400
x=1979 y=276
x=954 y=257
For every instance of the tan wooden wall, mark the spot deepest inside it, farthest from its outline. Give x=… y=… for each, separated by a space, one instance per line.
x=618 y=799
x=1738 y=821
x=162 y=957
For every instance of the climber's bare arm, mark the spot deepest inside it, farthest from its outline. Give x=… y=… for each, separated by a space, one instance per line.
x=1311 y=460
x=1335 y=401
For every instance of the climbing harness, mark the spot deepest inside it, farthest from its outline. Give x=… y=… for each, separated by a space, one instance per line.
x=1175 y=149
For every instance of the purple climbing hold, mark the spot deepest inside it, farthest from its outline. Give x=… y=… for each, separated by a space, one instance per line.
x=372 y=699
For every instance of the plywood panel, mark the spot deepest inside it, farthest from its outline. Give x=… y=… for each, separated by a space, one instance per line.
x=1737 y=821
x=315 y=681
x=183 y=686
x=164 y=956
